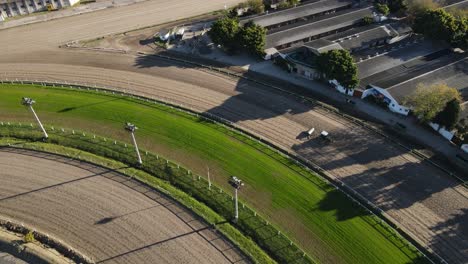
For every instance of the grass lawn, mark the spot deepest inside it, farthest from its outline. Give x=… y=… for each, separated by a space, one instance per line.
x=322 y=220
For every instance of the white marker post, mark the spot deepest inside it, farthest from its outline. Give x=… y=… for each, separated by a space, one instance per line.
x=29 y=102
x=131 y=128
x=209 y=180
x=236 y=183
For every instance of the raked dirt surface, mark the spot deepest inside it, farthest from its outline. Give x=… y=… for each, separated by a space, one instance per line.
x=103 y=214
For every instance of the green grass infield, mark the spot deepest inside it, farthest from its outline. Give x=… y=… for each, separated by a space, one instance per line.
x=322 y=220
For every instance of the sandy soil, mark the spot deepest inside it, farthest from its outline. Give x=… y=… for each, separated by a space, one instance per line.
x=429 y=204
x=103 y=214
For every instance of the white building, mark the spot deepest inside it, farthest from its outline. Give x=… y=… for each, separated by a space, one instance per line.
x=10 y=8
x=384 y=96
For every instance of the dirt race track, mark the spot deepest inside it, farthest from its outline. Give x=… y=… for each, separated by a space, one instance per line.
x=103 y=214
x=432 y=206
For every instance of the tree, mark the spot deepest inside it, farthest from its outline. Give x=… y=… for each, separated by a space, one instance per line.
x=436 y=24
x=338 y=65
x=440 y=25
x=416 y=7
x=397 y=6
x=448 y=117
x=427 y=102
x=367 y=20
x=382 y=8
x=256 y=6
x=29 y=237
x=252 y=38
x=224 y=32
x=460 y=38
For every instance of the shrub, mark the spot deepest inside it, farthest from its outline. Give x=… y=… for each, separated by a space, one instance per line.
x=367 y=20
x=383 y=9
x=29 y=237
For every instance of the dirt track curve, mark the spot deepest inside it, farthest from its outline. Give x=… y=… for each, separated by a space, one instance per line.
x=103 y=214
x=425 y=201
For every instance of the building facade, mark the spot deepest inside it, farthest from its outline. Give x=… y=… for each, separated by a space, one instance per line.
x=10 y=8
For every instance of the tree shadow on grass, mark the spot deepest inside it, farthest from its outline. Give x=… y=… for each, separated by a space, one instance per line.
x=68 y=109
x=336 y=201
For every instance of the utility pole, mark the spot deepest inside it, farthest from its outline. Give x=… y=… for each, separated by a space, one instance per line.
x=131 y=128
x=29 y=102
x=236 y=183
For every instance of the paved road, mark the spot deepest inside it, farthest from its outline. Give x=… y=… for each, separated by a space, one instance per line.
x=103 y=214
x=431 y=205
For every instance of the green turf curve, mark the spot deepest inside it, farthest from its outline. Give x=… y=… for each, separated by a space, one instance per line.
x=333 y=225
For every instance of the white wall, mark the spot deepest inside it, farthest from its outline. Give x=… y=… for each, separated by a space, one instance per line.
x=341 y=88
x=397 y=108
x=393 y=105
x=367 y=92
x=71 y=2
x=445 y=133
x=464 y=147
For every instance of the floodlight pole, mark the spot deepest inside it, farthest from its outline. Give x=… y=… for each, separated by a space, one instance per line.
x=29 y=102
x=236 y=183
x=131 y=128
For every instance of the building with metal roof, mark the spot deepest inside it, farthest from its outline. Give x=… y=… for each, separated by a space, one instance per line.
x=299 y=13
x=363 y=38
x=316 y=29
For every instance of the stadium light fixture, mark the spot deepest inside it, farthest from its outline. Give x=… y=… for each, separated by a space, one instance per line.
x=29 y=102
x=236 y=183
x=131 y=128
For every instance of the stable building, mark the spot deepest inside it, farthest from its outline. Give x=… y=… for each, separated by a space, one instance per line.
x=326 y=26
x=298 y=14
x=401 y=81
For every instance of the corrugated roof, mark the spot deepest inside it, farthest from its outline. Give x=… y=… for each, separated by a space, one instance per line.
x=454 y=74
x=322 y=45
x=316 y=28
x=297 y=12
x=358 y=39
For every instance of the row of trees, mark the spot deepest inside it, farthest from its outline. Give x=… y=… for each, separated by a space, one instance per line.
x=234 y=38
x=437 y=103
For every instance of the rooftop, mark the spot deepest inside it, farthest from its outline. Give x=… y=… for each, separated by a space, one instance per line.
x=322 y=45
x=454 y=74
x=297 y=12
x=355 y=38
x=392 y=56
x=413 y=69
x=400 y=28
x=317 y=27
